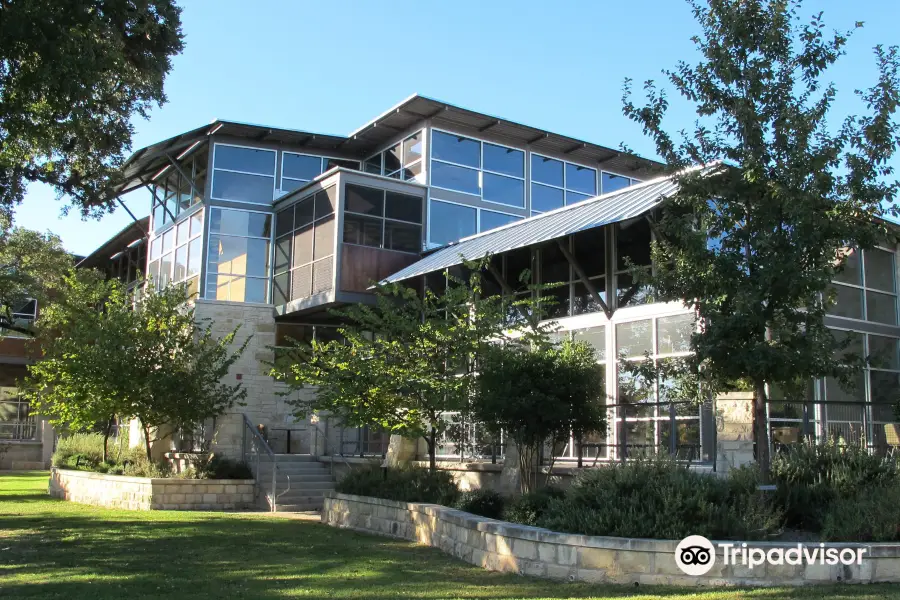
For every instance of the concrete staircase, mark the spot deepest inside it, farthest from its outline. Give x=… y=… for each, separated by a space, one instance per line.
x=301 y=483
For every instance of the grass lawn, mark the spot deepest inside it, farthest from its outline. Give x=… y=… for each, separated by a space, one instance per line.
x=55 y=549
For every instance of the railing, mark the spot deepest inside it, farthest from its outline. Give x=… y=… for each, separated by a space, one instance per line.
x=314 y=447
x=253 y=446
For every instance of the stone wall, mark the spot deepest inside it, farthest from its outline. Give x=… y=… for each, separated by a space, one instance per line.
x=143 y=493
x=734 y=430
x=502 y=546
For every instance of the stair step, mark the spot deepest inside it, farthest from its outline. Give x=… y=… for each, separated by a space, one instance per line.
x=294 y=492
x=289 y=508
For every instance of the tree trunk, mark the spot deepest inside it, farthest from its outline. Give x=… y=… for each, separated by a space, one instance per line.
x=147 y=441
x=760 y=433
x=106 y=438
x=432 y=450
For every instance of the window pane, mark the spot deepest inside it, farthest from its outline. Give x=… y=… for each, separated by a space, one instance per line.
x=392 y=159
x=168 y=240
x=455 y=149
x=546 y=170
x=183 y=232
x=402 y=237
x=634 y=339
x=545 y=198
x=365 y=231
x=557 y=301
x=331 y=163
x=284 y=222
x=673 y=334
x=454 y=178
x=589 y=249
x=504 y=160
x=554 y=266
x=181 y=263
x=491 y=219
x=289 y=185
x=879 y=270
x=403 y=207
x=155 y=248
x=153 y=272
x=283 y=253
x=504 y=190
x=259 y=225
x=851 y=274
x=573 y=197
x=242 y=187
x=165 y=269
x=581 y=179
x=450 y=222
x=300 y=166
x=303 y=213
x=412 y=148
x=364 y=200
x=251 y=160
x=373 y=165
x=633 y=241
x=881 y=308
x=412 y=171
x=847 y=302
x=583 y=301
x=195 y=256
x=884 y=387
x=596 y=337
x=325 y=201
x=196 y=223
x=255 y=290
x=883 y=352
x=610 y=183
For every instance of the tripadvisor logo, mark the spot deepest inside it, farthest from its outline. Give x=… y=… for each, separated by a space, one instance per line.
x=695 y=555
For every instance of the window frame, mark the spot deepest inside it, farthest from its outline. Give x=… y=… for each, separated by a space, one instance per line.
x=206 y=271
x=323 y=161
x=214 y=168
x=417 y=178
x=864 y=290
x=383 y=218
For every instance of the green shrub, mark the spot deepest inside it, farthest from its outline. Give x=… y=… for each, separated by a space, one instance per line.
x=83 y=449
x=213 y=466
x=485 y=503
x=658 y=498
x=406 y=484
x=528 y=509
x=141 y=467
x=872 y=515
x=810 y=477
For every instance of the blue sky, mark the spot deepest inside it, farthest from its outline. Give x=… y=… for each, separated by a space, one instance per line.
x=330 y=67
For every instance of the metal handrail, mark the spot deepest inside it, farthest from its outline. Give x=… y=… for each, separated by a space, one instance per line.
x=327 y=441
x=261 y=442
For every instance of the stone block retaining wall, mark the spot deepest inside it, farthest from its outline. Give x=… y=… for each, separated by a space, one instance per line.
x=501 y=546
x=144 y=493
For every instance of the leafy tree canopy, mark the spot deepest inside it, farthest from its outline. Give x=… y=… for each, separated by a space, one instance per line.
x=72 y=75
x=753 y=246
x=32 y=267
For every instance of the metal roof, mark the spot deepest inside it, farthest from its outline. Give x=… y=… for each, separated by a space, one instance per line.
x=126 y=238
x=602 y=210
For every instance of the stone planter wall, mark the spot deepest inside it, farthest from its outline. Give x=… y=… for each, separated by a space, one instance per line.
x=502 y=546
x=143 y=493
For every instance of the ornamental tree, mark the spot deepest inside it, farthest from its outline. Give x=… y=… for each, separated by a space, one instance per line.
x=539 y=393
x=404 y=362
x=105 y=356
x=753 y=245
x=72 y=76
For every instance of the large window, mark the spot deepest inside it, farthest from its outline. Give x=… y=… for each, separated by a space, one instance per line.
x=494 y=173
x=238 y=261
x=866 y=288
x=572 y=297
x=16 y=419
x=403 y=160
x=304 y=247
x=633 y=240
x=176 y=254
x=382 y=219
x=243 y=174
x=299 y=169
x=555 y=183
x=610 y=182
x=449 y=222
x=648 y=420
x=24 y=317
x=173 y=192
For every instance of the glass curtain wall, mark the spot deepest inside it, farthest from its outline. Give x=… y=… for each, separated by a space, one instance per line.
x=176 y=254
x=173 y=192
x=238 y=259
x=403 y=160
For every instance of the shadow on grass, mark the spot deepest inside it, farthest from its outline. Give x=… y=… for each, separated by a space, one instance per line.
x=65 y=551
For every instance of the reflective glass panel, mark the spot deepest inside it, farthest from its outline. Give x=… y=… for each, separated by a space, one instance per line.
x=504 y=190
x=501 y=159
x=610 y=183
x=364 y=200
x=634 y=339
x=881 y=308
x=249 y=160
x=392 y=159
x=545 y=198
x=880 y=270
x=242 y=187
x=403 y=207
x=673 y=334
x=546 y=170
x=581 y=179
x=412 y=148
x=491 y=219
x=300 y=166
x=455 y=178
x=851 y=273
x=456 y=149
x=450 y=222
x=402 y=237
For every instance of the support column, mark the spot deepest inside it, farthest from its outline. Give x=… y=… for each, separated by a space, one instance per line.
x=734 y=430
x=401 y=451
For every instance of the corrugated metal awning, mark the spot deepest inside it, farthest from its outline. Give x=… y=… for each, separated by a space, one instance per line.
x=613 y=207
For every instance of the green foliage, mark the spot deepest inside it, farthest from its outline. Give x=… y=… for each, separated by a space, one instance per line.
x=32 y=266
x=485 y=503
x=84 y=452
x=658 y=498
x=537 y=393
x=403 y=362
x=104 y=356
x=872 y=515
x=812 y=477
x=529 y=508
x=407 y=484
x=73 y=75
x=754 y=246
x=213 y=466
